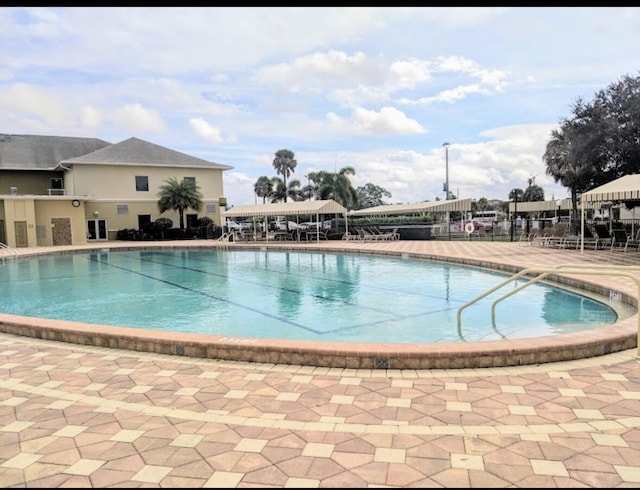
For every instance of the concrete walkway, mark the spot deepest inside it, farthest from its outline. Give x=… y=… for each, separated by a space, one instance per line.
x=80 y=416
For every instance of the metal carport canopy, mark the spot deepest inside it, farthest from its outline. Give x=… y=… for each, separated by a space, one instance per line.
x=416 y=207
x=328 y=206
x=625 y=188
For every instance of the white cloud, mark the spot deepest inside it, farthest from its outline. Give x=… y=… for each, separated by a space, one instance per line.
x=384 y=122
x=382 y=86
x=136 y=118
x=208 y=132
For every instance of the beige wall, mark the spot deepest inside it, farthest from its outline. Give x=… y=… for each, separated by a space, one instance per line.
x=37 y=213
x=109 y=186
x=20 y=210
x=45 y=210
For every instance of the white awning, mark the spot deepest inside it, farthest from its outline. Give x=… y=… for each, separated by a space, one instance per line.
x=625 y=188
x=414 y=208
x=293 y=208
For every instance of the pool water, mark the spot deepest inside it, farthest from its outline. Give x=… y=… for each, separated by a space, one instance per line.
x=290 y=295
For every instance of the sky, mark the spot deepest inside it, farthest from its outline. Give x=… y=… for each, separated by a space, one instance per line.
x=378 y=89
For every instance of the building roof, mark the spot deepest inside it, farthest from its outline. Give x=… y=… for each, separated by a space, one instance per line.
x=134 y=151
x=328 y=206
x=33 y=152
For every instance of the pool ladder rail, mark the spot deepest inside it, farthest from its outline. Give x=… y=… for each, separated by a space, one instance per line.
x=599 y=270
x=12 y=252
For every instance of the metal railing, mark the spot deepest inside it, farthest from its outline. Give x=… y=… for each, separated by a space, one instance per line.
x=580 y=269
x=12 y=252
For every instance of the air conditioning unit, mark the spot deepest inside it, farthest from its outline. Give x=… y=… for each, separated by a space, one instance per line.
x=222 y=201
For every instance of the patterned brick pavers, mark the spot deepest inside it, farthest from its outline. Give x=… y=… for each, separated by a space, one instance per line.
x=80 y=416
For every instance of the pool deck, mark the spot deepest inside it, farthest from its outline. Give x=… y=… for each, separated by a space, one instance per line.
x=76 y=415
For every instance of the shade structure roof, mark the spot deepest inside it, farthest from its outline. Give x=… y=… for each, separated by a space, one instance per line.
x=416 y=207
x=328 y=206
x=625 y=188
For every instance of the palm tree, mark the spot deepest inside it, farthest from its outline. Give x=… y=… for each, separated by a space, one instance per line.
x=263 y=188
x=280 y=192
x=565 y=159
x=179 y=195
x=337 y=186
x=285 y=164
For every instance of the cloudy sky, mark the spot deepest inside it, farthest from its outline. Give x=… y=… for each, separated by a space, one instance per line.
x=376 y=89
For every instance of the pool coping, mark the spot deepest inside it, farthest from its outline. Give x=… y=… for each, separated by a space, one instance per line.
x=619 y=336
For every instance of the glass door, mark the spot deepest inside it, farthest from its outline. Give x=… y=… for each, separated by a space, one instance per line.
x=97 y=229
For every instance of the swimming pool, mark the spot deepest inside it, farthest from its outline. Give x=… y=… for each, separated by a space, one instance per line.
x=292 y=295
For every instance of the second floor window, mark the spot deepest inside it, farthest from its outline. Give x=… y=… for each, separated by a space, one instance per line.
x=190 y=180
x=142 y=183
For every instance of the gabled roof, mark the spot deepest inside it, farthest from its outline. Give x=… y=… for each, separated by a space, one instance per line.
x=134 y=151
x=416 y=207
x=328 y=206
x=33 y=152
x=625 y=188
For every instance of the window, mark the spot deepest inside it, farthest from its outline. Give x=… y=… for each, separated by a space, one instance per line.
x=190 y=180
x=142 y=183
x=56 y=183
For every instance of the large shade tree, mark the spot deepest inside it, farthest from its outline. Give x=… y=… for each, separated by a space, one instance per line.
x=370 y=195
x=285 y=165
x=599 y=142
x=179 y=195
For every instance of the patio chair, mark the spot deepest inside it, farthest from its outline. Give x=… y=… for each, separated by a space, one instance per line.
x=590 y=240
x=529 y=237
x=541 y=237
x=604 y=237
x=634 y=241
x=620 y=239
x=559 y=235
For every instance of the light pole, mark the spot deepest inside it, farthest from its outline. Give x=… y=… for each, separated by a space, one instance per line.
x=308 y=186
x=446 y=167
x=446 y=182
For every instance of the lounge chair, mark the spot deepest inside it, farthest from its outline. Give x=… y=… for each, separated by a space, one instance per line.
x=559 y=235
x=590 y=240
x=620 y=238
x=542 y=236
x=529 y=237
x=604 y=237
x=575 y=239
x=351 y=235
x=634 y=241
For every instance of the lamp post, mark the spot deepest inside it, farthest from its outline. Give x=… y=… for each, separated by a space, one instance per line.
x=446 y=167
x=446 y=181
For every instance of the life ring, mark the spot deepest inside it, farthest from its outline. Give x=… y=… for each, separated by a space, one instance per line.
x=469 y=228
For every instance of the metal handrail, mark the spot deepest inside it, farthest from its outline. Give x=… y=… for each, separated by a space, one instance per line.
x=7 y=247
x=544 y=272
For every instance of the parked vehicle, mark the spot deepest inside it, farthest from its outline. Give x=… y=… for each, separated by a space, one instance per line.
x=325 y=225
x=476 y=225
x=282 y=225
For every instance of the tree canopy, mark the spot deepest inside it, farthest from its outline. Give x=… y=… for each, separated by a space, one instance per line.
x=599 y=142
x=285 y=165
